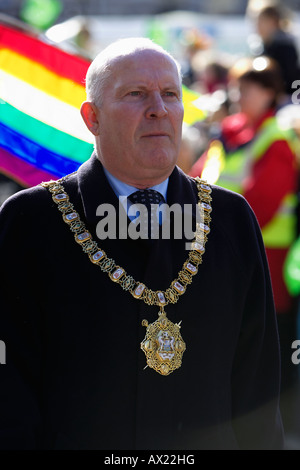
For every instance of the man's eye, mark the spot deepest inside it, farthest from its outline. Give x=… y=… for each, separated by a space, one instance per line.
x=170 y=93
x=135 y=93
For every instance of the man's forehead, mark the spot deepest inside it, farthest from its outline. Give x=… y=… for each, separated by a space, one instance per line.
x=143 y=68
x=141 y=58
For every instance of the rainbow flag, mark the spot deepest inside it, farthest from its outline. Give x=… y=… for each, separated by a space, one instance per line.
x=192 y=112
x=42 y=134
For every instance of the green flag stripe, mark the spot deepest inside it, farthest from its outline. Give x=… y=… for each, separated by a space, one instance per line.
x=46 y=136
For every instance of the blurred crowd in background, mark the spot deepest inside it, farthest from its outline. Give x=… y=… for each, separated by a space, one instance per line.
x=247 y=140
x=249 y=143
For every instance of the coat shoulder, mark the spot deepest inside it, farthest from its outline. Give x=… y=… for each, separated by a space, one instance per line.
x=34 y=199
x=224 y=199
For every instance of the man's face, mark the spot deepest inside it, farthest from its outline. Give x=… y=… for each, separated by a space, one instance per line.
x=140 y=119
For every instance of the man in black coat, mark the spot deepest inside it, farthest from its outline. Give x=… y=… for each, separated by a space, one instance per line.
x=84 y=371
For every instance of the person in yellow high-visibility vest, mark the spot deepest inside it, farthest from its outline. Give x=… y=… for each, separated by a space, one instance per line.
x=257 y=158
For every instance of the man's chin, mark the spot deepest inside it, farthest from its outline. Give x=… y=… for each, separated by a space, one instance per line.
x=160 y=161
x=154 y=174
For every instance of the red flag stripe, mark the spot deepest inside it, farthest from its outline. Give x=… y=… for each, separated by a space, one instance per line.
x=54 y=59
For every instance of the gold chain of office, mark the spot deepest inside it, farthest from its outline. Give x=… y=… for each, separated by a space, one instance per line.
x=163 y=344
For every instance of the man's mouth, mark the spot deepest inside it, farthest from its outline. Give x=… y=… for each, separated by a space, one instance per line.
x=156 y=134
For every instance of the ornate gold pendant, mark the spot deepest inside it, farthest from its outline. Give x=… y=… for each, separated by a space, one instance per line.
x=163 y=344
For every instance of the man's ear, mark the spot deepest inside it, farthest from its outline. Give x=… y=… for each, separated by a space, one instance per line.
x=90 y=116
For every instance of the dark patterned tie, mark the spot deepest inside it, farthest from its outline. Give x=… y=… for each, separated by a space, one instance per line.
x=148 y=197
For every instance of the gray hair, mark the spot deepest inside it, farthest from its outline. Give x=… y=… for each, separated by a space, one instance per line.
x=100 y=70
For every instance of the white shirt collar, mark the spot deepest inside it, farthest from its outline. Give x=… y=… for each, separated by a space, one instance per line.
x=123 y=189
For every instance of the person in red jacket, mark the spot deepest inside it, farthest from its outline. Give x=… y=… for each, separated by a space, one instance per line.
x=256 y=157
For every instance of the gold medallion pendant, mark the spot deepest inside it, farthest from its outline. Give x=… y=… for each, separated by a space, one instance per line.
x=163 y=344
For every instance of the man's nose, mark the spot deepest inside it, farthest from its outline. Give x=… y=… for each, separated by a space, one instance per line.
x=156 y=106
